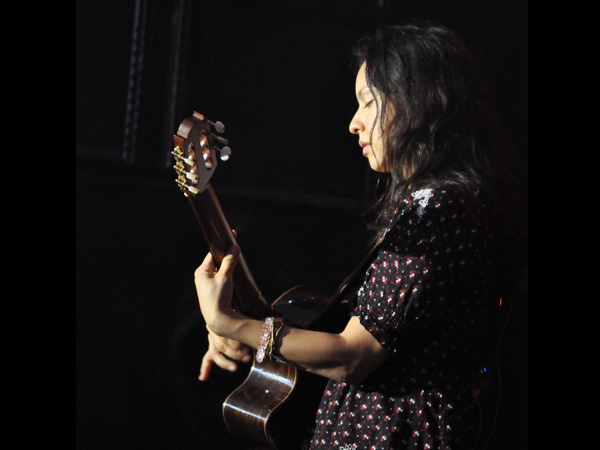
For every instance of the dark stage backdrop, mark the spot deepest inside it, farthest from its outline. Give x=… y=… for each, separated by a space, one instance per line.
x=296 y=189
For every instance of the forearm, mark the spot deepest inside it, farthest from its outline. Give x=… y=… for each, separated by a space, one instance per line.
x=325 y=354
x=335 y=356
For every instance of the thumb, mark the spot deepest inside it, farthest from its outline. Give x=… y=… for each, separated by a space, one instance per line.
x=229 y=262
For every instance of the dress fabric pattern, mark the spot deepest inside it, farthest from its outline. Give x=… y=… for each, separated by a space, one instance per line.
x=425 y=298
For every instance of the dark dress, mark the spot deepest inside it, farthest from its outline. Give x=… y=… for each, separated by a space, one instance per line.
x=425 y=298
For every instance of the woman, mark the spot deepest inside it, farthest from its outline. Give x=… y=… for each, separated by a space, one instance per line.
x=401 y=373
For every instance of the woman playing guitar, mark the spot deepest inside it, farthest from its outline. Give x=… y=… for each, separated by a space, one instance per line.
x=401 y=371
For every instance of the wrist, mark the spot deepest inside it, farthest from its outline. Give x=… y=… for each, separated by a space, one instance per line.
x=227 y=324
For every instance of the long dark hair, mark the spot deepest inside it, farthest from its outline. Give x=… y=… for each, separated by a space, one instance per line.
x=442 y=133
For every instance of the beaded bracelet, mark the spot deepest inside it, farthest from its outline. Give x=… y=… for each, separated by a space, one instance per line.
x=264 y=339
x=268 y=338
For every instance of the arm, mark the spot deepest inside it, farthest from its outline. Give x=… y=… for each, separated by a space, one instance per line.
x=348 y=356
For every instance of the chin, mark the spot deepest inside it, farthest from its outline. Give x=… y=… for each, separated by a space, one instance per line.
x=376 y=164
x=376 y=167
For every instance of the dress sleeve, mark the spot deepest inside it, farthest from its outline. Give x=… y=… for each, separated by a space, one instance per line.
x=427 y=251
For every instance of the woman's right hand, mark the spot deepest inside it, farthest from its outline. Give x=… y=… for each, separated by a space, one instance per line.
x=223 y=352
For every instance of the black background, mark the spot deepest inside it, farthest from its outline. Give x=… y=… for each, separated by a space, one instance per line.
x=278 y=75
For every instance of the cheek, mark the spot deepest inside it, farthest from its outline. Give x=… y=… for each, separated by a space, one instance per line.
x=379 y=152
x=377 y=140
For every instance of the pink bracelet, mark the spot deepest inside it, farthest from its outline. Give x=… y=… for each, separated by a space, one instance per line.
x=264 y=339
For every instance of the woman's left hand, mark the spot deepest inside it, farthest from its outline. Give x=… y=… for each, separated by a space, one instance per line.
x=225 y=353
x=215 y=289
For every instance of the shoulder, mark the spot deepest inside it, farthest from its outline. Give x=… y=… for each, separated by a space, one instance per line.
x=441 y=212
x=432 y=204
x=425 y=200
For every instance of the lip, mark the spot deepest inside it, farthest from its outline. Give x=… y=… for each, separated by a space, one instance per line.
x=365 y=147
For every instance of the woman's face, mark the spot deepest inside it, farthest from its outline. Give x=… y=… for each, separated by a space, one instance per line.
x=366 y=124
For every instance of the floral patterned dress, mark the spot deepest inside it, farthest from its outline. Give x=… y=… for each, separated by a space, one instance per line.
x=425 y=298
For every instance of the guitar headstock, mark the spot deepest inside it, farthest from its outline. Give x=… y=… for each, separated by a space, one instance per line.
x=195 y=151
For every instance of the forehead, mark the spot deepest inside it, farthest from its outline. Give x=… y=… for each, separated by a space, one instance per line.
x=361 y=87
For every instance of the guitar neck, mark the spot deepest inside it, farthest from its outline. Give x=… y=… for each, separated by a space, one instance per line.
x=218 y=234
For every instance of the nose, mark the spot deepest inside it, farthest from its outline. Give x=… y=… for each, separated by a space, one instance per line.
x=356 y=124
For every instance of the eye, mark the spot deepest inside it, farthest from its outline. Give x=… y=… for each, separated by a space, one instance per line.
x=368 y=104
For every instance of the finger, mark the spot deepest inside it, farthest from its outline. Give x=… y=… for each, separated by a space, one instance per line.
x=229 y=262
x=211 y=358
x=234 y=350
x=247 y=356
x=230 y=348
x=205 y=368
x=240 y=353
x=207 y=268
x=224 y=362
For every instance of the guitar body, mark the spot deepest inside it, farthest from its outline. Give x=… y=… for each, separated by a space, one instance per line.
x=275 y=406
x=250 y=411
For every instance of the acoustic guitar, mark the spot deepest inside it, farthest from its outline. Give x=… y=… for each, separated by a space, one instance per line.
x=275 y=406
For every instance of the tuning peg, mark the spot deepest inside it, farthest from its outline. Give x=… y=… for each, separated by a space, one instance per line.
x=218 y=126
x=220 y=139
x=192 y=177
x=225 y=153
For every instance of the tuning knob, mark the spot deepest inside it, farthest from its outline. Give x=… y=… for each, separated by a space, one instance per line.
x=219 y=127
x=225 y=153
